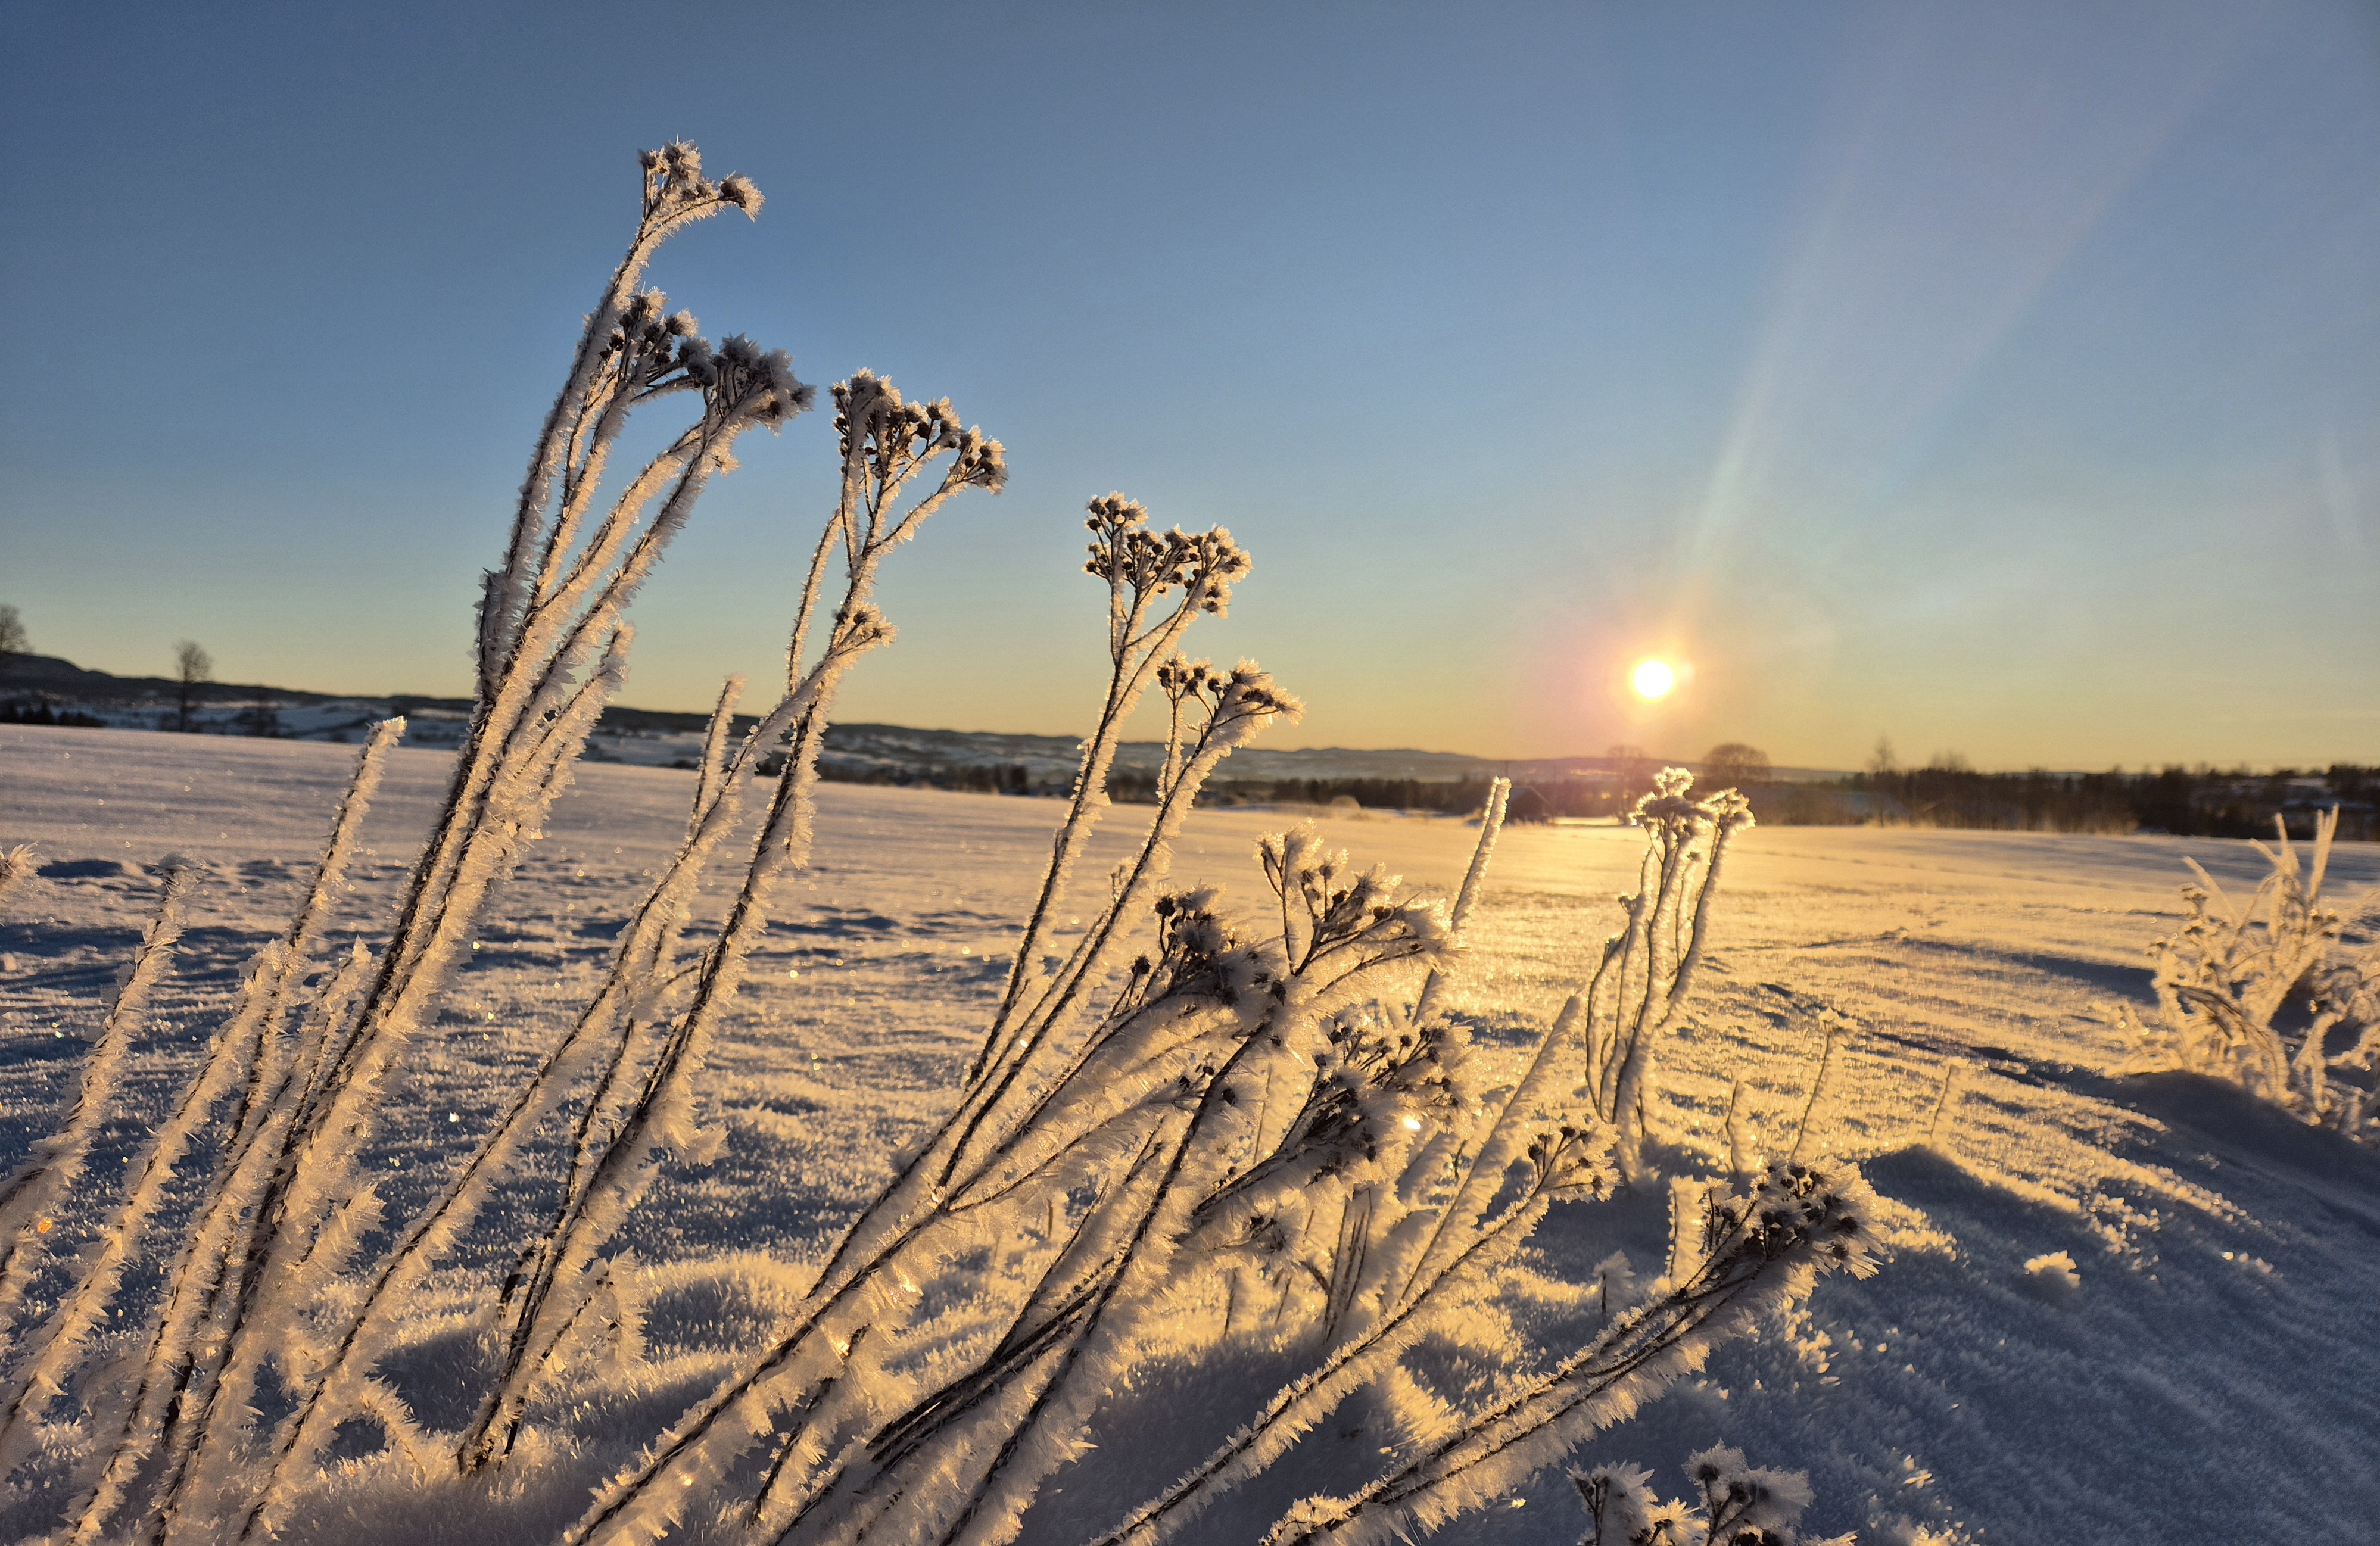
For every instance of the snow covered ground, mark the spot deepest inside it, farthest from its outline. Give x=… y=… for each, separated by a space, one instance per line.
x=2205 y=1371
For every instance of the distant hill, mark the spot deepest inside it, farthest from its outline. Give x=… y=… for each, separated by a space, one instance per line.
x=49 y=677
x=890 y=753
x=222 y=708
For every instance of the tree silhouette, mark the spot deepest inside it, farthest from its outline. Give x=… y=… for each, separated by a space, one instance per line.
x=1733 y=765
x=1628 y=762
x=192 y=665
x=13 y=641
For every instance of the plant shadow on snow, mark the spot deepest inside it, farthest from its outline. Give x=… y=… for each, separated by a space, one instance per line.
x=2192 y=1330
x=2207 y=1314
x=1495 y=1027
x=836 y=923
x=1551 y=1300
x=2100 y=976
x=2247 y=1137
x=91 y=869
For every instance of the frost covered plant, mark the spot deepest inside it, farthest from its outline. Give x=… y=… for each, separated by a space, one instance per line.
x=1141 y=568
x=1648 y=969
x=1251 y=1142
x=643 y=1102
x=31 y=1197
x=1759 y=1250
x=16 y=866
x=259 y=1288
x=2225 y=976
x=640 y=1046
x=144 y=1396
x=1734 y=1504
x=1129 y=1100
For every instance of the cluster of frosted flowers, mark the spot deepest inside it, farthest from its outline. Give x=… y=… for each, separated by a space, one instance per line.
x=674 y=184
x=1245 y=693
x=1329 y=908
x=1126 y=553
x=1832 y=1212
x=1740 y=1504
x=652 y=350
x=895 y=436
x=1669 y=808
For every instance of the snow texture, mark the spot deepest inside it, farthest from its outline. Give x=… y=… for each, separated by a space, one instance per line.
x=2091 y=1277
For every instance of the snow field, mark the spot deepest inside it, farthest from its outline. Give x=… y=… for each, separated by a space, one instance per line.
x=2207 y=1372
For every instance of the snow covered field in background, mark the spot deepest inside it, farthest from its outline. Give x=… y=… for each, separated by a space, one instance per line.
x=2206 y=1370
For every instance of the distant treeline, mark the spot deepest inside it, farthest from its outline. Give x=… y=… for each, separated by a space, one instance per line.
x=42 y=714
x=1569 y=797
x=1452 y=796
x=982 y=778
x=2190 y=802
x=2200 y=802
x=1132 y=787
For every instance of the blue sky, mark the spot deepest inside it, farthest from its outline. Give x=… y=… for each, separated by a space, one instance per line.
x=2001 y=379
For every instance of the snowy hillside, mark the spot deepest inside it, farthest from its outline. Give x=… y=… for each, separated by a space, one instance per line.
x=2115 y=1309
x=642 y=738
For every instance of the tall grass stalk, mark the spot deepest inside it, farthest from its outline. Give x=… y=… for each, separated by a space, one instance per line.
x=285 y=1208
x=29 y=1198
x=1648 y=969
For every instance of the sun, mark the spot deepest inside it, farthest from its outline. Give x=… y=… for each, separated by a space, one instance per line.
x=1653 y=679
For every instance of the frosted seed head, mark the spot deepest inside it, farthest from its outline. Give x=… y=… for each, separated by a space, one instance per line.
x=739 y=190
x=866 y=627
x=674 y=186
x=1114 y=512
x=982 y=463
x=1728 y=810
x=784 y=396
x=1619 y=1500
x=1713 y=1466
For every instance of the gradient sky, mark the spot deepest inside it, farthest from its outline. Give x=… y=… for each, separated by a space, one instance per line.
x=2004 y=379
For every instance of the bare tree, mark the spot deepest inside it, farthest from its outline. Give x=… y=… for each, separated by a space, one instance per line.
x=192 y=665
x=1733 y=765
x=1881 y=761
x=1629 y=762
x=13 y=641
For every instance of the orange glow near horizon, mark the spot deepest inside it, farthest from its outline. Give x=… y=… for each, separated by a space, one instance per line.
x=1653 y=679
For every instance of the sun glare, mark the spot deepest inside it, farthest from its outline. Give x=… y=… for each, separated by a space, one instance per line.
x=1653 y=679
